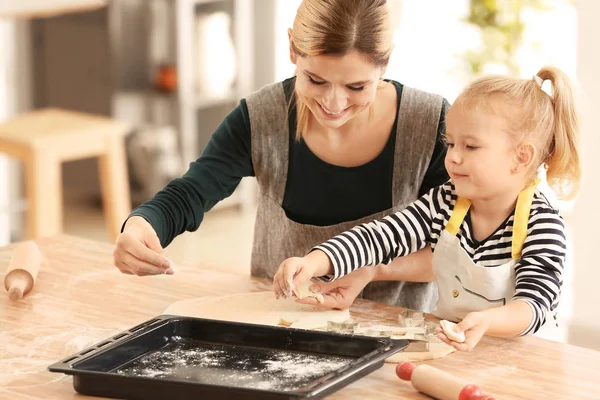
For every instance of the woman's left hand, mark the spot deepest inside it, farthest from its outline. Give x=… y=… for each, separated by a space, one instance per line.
x=474 y=325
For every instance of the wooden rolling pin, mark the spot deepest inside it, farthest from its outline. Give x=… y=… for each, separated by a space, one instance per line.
x=23 y=270
x=438 y=384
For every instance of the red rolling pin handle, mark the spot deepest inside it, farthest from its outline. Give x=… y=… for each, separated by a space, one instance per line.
x=438 y=384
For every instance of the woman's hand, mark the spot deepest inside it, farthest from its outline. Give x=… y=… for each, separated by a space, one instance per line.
x=340 y=294
x=138 y=250
x=474 y=325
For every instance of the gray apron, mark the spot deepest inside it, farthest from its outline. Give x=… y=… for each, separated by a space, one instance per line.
x=276 y=237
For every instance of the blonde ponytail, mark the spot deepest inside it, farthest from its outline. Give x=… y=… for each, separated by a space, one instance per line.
x=562 y=155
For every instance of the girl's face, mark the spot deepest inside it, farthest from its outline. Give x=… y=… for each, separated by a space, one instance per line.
x=336 y=88
x=481 y=158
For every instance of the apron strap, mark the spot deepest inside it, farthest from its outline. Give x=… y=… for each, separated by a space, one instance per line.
x=416 y=132
x=521 y=220
x=459 y=212
x=268 y=109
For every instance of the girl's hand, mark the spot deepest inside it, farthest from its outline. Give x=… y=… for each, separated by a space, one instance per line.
x=474 y=325
x=340 y=294
x=296 y=270
x=292 y=272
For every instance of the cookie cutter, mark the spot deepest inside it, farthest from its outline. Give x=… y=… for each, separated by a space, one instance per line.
x=411 y=318
x=342 y=327
x=384 y=330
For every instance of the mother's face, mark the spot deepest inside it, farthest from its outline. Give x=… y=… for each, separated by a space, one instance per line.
x=336 y=88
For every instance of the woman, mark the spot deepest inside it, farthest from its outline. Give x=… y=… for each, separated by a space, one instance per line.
x=332 y=147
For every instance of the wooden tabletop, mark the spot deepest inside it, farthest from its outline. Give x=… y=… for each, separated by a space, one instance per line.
x=81 y=299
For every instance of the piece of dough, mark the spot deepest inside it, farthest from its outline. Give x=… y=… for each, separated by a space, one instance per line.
x=448 y=328
x=258 y=308
x=303 y=291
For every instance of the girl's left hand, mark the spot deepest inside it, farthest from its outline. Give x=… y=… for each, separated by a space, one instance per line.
x=474 y=325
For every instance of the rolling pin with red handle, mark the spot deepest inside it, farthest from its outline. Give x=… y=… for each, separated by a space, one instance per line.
x=23 y=270
x=438 y=384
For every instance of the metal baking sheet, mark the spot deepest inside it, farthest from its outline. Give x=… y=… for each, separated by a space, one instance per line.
x=182 y=358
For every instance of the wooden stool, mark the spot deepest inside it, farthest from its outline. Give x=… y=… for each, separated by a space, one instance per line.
x=44 y=139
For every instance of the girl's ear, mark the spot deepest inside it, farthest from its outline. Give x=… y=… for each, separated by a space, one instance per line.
x=524 y=157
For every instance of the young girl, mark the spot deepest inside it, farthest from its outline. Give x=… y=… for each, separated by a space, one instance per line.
x=498 y=244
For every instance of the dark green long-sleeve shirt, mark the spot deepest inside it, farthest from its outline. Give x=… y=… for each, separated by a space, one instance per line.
x=317 y=193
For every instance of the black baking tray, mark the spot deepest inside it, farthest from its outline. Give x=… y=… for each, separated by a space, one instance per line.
x=174 y=357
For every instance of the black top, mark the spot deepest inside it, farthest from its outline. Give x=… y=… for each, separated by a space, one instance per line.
x=316 y=193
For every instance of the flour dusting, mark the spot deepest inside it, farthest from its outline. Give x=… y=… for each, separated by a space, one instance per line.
x=234 y=366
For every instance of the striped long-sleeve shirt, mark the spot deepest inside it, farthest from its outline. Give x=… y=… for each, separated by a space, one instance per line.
x=538 y=272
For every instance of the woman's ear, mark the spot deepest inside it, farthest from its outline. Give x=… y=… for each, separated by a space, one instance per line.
x=384 y=67
x=293 y=55
x=524 y=157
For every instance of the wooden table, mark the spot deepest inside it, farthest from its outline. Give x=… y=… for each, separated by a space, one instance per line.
x=81 y=299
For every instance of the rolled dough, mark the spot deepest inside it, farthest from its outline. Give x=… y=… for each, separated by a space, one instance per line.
x=264 y=309
x=258 y=308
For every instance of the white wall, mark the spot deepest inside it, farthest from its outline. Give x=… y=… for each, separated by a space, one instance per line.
x=285 y=12
x=585 y=219
x=7 y=108
x=15 y=96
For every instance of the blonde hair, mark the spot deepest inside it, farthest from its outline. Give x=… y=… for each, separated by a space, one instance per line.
x=337 y=27
x=550 y=121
